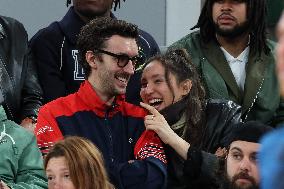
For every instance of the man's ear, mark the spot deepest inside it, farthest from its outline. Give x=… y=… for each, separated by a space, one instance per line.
x=91 y=59
x=186 y=87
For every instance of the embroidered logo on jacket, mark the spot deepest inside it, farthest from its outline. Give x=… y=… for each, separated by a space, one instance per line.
x=44 y=129
x=152 y=150
x=78 y=71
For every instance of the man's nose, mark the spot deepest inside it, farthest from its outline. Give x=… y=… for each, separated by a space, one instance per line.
x=245 y=164
x=226 y=6
x=129 y=68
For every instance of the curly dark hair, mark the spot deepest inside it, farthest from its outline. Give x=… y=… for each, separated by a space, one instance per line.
x=256 y=14
x=94 y=35
x=178 y=63
x=115 y=3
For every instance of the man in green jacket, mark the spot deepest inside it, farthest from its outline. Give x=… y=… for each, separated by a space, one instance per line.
x=21 y=163
x=235 y=60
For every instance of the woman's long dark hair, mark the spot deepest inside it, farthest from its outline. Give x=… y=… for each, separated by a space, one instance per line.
x=178 y=63
x=256 y=16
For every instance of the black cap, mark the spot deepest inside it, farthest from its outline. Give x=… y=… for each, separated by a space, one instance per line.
x=250 y=131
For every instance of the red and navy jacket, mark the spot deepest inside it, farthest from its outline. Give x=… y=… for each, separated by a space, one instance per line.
x=117 y=130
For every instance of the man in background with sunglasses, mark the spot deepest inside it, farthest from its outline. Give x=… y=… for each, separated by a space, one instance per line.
x=108 y=53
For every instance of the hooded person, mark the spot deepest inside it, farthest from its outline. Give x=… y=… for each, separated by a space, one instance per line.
x=21 y=163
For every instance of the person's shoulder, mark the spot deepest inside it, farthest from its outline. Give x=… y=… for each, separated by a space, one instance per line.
x=146 y=35
x=187 y=41
x=221 y=104
x=10 y=21
x=17 y=132
x=133 y=110
x=50 y=33
x=59 y=105
x=148 y=42
x=12 y=24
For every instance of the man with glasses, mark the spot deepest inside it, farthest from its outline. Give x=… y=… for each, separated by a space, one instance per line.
x=56 y=54
x=108 y=53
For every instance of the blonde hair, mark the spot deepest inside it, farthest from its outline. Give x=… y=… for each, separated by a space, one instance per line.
x=84 y=161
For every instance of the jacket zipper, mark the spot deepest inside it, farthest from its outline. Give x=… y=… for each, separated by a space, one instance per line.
x=106 y=119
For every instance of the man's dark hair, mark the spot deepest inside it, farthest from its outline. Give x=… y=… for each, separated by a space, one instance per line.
x=94 y=35
x=115 y=3
x=256 y=14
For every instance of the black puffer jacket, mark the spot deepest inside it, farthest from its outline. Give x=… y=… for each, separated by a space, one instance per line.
x=198 y=170
x=18 y=78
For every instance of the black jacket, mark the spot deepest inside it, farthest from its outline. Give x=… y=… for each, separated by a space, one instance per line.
x=18 y=78
x=199 y=168
x=56 y=54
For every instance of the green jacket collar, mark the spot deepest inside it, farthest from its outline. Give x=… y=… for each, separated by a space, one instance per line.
x=256 y=68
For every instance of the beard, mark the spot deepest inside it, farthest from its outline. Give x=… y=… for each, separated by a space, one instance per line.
x=228 y=183
x=236 y=31
x=107 y=80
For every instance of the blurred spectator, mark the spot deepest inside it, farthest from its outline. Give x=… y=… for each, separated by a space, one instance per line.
x=272 y=152
x=271 y=160
x=21 y=164
x=18 y=76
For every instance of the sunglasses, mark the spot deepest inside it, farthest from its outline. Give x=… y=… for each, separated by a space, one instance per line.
x=122 y=59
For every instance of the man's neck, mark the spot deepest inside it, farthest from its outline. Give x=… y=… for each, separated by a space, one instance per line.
x=87 y=19
x=234 y=46
x=104 y=97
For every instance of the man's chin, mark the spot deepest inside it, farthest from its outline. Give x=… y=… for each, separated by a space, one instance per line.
x=231 y=31
x=120 y=91
x=244 y=184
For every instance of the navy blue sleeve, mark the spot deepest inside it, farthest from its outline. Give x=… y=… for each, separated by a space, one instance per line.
x=149 y=173
x=45 y=46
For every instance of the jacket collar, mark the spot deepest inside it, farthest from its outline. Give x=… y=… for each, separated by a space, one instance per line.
x=216 y=57
x=89 y=96
x=174 y=112
x=71 y=25
x=256 y=68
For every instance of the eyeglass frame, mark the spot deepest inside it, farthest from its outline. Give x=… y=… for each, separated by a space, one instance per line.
x=135 y=59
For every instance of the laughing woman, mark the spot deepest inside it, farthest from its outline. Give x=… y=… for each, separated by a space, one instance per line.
x=193 y=128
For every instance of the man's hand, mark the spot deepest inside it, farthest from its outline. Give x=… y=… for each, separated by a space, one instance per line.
x=28 y=124
x=3 y=185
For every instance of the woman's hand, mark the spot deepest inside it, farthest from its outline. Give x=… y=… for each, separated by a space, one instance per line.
x=156 y=122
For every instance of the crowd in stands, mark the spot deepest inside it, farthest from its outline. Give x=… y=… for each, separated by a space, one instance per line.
x=91 y=103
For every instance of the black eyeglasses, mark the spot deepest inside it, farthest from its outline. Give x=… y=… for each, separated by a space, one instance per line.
x=122 y=59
